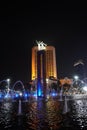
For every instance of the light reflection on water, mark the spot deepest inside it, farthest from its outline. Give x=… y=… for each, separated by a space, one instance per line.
x=6 y=114
x=43 y=115
x=79 y=113
x=54 y=114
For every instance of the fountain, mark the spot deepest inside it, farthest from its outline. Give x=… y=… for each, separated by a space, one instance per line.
x=61 y=94
x=65 y=109
x=19 y=93
x=7 y=81
x=78 y=89
x=6 y=93
x=17 y=83
x=19 y=108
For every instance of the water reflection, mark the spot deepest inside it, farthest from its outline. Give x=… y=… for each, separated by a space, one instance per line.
x=32 y=119
x=43 y=115
x=79 y=113
x=6 y=114
x=54 y=114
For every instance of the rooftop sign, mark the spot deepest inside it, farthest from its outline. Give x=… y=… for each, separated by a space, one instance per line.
x=41 y=45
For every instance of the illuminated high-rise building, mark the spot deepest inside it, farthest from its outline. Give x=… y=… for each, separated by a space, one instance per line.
x=51 y=69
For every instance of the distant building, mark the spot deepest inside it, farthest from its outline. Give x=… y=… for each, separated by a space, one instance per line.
x=66 y=81
x=51 y=68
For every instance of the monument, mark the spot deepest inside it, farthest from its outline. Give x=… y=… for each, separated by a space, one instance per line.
x=41 y=69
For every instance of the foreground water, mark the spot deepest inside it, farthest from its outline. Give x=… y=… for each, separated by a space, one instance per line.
x=50 y=114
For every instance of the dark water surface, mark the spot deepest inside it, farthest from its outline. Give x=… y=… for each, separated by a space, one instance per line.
x=41 y=114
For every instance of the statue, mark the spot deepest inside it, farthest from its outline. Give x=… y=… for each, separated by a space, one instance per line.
x=41 y=45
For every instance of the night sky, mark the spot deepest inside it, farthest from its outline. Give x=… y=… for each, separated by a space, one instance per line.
x=60 y=25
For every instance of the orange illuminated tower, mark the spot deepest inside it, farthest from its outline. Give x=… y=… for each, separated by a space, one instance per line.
x=51 y=68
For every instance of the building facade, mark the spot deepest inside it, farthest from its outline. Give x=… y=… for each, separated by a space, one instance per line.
x=51 y=68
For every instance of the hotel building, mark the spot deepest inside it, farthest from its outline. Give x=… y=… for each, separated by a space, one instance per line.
x=51 y=68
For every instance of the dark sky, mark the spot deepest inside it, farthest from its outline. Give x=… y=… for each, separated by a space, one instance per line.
x=61 y=25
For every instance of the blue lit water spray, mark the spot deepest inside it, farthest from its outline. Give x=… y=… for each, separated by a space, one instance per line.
x=17 y=82
x=66 y=108
x=19 y=102
x=61 y=94
x=7 y=87
x=13 y=88
x=78 y=87
x=19 y=108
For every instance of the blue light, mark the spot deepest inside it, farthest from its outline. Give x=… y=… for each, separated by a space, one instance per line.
x=25 y=95
x=39 y=92
x=7 y=96
x=16 y=95
x=35 y=94
x=54 y=94
x=0 y=95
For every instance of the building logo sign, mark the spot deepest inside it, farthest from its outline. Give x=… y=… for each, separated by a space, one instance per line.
x=41 y=45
